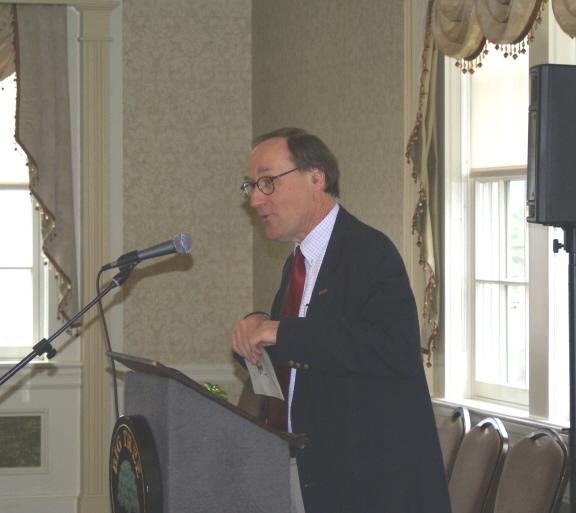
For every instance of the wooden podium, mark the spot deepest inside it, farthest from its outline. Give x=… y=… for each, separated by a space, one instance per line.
x=213 y=457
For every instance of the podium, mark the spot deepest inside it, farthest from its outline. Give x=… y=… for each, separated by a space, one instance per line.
x=213 y=457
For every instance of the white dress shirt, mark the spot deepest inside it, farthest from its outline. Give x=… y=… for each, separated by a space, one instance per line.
x=313 y=249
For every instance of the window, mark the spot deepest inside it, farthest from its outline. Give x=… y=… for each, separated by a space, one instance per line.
x=497 y=123
x=22 y=274
x=506 y=294
x=500 y=289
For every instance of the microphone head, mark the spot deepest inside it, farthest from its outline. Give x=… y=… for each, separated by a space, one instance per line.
x=183 y=243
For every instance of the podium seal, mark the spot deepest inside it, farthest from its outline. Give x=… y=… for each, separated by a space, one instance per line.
x=135 y=481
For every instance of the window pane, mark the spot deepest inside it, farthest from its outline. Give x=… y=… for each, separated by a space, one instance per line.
x=16 y=228
x=499 y=112
x=16 y=308
x=558 y=332
x=517 y=349
x=487 y=231
x=489 y=357
x=501 y=308
x=516 y=230
x=501 y=335
x=13 y=159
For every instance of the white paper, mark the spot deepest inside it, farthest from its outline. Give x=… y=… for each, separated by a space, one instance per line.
x=264 y=380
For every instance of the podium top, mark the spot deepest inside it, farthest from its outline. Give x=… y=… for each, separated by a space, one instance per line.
x=147 y=366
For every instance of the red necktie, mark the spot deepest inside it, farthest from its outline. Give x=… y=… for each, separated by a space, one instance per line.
x=277 y=409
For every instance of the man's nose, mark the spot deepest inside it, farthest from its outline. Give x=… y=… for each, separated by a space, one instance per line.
x=257 y=198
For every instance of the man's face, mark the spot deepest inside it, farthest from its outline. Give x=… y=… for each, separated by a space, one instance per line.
x=288 y=214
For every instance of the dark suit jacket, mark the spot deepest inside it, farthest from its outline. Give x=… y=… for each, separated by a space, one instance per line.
x=361 y=395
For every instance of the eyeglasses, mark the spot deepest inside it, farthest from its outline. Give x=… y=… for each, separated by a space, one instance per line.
x=264 y=183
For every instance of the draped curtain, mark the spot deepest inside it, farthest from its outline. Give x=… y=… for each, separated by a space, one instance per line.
x=43 y=129
x=422 y=153
x=7 y=56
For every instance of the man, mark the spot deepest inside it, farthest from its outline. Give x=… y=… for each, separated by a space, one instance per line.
x=357 y=389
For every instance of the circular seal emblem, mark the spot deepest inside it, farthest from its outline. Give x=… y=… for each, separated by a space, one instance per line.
x=135 y=481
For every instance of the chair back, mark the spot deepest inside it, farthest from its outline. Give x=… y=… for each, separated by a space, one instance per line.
x=477 y=467
x=451 y=431
x=534 y=475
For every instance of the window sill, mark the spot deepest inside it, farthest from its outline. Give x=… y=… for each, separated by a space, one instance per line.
x=43 y=375
x=506 y=413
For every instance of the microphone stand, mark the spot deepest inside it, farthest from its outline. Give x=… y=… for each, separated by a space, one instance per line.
x=45 y=345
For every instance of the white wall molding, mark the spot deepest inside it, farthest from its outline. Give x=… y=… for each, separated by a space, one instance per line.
x=219 y=373
x=45 y=376
x=222 y=372
x=40 y=503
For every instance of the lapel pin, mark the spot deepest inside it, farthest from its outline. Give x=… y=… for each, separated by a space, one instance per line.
x=323 y=291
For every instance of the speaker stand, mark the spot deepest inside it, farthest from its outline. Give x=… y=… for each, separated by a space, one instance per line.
x=570 y=248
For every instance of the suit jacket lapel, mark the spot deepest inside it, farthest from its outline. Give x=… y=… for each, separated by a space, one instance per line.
x=326 y=282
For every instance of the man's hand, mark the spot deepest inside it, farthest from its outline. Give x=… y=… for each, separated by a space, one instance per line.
x=251 y=334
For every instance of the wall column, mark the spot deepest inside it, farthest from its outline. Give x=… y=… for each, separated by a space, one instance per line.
x=96 y=421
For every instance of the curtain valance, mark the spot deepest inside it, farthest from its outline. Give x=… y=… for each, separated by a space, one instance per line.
x=565 y=14
x=461 y=28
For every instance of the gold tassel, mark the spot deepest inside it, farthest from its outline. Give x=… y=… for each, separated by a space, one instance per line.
x=471 y=65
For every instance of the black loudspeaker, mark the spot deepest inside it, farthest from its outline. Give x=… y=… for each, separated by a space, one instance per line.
x=551 y=187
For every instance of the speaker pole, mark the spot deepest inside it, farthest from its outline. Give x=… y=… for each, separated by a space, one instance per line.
x=570 y=248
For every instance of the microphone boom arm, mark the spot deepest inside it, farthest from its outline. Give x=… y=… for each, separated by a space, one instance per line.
x=45 y=345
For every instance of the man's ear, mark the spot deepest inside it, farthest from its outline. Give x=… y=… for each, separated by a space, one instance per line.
x=318 y=177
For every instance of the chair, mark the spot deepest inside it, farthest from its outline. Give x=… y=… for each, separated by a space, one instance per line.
x=451 y=431
x=477 y=467
x=534 y=475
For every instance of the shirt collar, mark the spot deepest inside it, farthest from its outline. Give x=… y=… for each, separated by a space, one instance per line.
x=316 y=241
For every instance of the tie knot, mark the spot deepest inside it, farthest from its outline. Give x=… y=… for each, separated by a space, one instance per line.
x=298 y=254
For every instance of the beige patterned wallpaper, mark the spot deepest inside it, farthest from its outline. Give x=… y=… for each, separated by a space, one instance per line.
x=187 y=128
x=200 y=78
x=334 y=67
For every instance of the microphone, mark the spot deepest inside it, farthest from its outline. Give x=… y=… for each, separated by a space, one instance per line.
x=181 y=243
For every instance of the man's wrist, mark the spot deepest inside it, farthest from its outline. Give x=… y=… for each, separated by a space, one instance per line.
x=266 y=315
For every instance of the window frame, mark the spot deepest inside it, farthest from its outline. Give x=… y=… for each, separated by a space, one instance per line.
x=459 y=219
x=551 y=45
